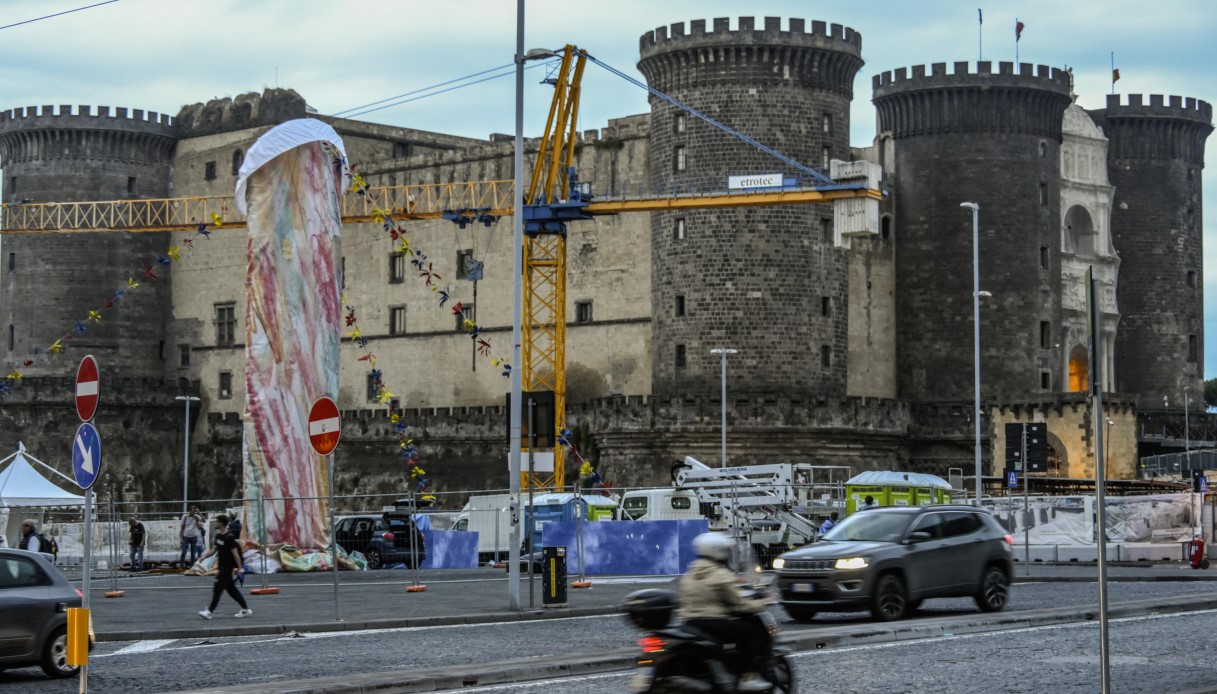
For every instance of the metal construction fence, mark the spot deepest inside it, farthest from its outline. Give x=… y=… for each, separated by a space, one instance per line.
x=1176 y=464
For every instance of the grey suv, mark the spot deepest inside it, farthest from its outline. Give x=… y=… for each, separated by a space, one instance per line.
x=888 y=560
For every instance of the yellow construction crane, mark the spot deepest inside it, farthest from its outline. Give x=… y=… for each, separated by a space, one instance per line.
x=554 y=197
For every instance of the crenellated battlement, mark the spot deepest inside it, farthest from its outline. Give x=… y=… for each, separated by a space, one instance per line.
x=747 y=32
x=85 y=116
x=1159 y=106
x=826 y=57
x=271 y=107
x=1030 y=100
x=962 y=75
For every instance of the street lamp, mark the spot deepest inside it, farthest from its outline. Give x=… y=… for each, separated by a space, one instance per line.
x=186 y=450
x=976 y=293
x=517 y=270
x=724 y=351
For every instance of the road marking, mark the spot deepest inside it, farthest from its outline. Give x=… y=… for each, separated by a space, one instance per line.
x=139 y=647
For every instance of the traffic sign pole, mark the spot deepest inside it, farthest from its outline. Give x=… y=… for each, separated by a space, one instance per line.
x=324 y=432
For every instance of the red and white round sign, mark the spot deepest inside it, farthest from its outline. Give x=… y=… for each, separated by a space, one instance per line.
x=87 y=390
x=324 y=426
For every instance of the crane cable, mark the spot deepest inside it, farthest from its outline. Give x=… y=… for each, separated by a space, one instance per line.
x=503 y=71
x=818 y=176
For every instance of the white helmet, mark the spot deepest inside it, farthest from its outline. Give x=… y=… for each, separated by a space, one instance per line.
x=716 y=546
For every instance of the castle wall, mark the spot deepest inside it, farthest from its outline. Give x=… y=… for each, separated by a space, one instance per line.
x=751 y=279
x=1154 y=161
x=1003 y=133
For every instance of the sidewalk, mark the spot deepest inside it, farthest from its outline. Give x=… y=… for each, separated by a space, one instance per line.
x=165 y=606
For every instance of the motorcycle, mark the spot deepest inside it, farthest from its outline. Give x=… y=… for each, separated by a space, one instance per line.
x=679 y=658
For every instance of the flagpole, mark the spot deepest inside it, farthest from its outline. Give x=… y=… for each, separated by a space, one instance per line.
x=1113 y=72
x=1016 y=44
x=980 y=35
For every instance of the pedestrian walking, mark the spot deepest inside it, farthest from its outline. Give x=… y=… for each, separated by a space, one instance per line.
x=138 y=541
x=191 y=524
x=227 y=549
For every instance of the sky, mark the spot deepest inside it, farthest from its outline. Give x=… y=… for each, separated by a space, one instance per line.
x=160 y=55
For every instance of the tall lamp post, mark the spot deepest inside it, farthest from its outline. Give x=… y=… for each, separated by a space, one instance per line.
x=976 y=331
x=724 y=351
x=517 y=312
x=186 y=450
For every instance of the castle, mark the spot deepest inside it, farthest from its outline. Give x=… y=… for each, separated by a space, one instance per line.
x=859 y=356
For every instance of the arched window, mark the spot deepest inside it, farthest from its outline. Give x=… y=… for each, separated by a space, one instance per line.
x=1079 y=232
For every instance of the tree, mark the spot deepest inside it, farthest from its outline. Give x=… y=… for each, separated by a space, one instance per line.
x=1210 y=393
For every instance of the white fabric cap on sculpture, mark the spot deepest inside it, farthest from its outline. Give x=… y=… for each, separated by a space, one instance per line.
x=283 y=138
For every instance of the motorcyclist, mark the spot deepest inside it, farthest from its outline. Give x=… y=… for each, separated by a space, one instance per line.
x=709 y=599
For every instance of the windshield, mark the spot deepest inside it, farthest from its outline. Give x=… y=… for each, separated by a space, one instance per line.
x=871 y=526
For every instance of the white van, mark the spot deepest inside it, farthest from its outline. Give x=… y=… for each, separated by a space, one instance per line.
x=487 y=515
x=660 y=504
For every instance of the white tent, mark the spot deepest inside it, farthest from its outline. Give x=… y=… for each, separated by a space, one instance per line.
x=22 y=485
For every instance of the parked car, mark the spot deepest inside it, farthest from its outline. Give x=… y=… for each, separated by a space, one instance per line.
x=383 y=539
x=889 y=560
x=34 y=601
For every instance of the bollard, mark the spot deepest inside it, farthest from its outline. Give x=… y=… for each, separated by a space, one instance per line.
x=78 y=636
x=553 y=577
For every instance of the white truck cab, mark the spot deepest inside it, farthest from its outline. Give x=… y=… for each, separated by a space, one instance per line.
x=660 y=504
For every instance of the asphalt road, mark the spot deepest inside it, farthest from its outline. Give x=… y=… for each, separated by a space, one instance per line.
x=203 y=661
x=1152 y=655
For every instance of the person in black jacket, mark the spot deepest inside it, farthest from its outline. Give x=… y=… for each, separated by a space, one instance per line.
x=227 y=549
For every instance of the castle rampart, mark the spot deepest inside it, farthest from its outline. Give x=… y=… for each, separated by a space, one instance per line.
x=824 y=59
x=1029 y=101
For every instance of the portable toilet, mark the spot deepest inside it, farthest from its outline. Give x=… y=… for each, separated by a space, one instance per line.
x=896 y=489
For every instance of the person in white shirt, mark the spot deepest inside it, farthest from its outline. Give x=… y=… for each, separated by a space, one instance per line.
x=191 y=523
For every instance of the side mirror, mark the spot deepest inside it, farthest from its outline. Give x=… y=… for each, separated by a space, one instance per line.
x=919 y=536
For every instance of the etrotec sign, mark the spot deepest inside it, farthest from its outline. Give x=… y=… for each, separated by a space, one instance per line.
x=772 y=180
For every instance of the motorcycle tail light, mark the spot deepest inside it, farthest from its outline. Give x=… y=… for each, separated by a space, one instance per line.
x=388 y=537
x=1009 y=539
x=651 y=644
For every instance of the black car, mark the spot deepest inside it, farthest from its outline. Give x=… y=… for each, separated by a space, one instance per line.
x=34 y=601
x=383 y=539
x=888 y=560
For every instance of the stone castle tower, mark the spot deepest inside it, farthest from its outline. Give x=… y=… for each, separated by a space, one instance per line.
x=51 y=281
x=1154 y=161
x=992 y=138
x=766 y=282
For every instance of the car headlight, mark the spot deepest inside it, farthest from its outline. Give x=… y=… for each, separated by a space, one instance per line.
x=852 y=563
x=779 y=563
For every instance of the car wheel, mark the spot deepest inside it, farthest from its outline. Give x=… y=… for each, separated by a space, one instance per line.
x=374 y=560
x=889 y=602
x=799 y=613
x=55 y=655
x=994 y=590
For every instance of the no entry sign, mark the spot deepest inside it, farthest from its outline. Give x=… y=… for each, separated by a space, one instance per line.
x=324 y=426
x=87 y=391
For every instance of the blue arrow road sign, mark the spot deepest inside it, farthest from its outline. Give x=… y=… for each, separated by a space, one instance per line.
x=86 y=456
x=1012 y=478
